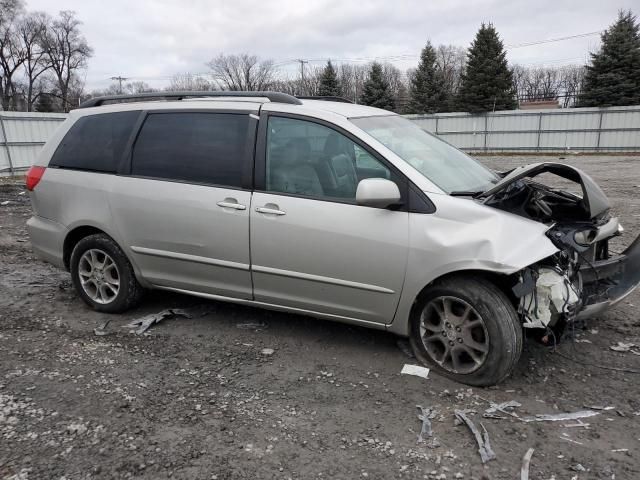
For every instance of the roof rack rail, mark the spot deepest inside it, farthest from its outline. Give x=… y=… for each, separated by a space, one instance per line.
x=326 y=98
x=272 y=96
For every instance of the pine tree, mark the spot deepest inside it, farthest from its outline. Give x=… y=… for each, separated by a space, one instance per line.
x=329 y=85
x=428 y=93
x=487 y=83
x=613 y=77
x=376 y=91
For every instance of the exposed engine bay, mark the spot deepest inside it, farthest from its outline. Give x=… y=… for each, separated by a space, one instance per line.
x=582 y=279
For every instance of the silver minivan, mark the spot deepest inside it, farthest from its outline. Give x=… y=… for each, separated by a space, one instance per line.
x=328 y=209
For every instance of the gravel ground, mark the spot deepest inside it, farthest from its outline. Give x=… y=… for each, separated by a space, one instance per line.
x=201 y=398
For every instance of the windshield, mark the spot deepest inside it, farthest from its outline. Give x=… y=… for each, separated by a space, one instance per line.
x=444 y=165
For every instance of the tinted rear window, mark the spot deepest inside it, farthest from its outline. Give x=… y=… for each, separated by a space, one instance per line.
x=206 y=148
x=96 y=142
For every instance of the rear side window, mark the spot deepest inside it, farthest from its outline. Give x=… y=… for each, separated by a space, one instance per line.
x=193 y=147
x=95 y=142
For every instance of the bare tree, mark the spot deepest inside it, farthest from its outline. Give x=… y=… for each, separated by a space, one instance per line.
x=12 y=54
x=539 y=84
x=242 y=72
x=32 y=31
x=192 y=83
x=549 y=83
x=286 y=85
x=451 y=61
x=130 y=88
x=571 y=80
x=68 y=52
x=310 y=84
x=351 y=78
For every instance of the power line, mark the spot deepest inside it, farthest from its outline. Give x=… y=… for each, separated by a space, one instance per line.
x=552 y=40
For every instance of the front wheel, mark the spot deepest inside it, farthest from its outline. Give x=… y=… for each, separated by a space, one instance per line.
x=467 y=329
x=103 y=276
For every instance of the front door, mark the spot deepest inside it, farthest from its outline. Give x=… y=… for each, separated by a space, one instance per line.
x=312 y=247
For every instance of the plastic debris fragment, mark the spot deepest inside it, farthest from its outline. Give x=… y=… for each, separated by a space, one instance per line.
x=143 y=324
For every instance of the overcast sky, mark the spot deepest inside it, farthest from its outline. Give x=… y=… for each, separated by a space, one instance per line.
x=151 y=40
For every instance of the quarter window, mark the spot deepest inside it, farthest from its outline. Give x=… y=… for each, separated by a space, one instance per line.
x=309 y=159
x=96 y=142
x=205 y=148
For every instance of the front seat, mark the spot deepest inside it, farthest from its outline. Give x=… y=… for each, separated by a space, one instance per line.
x=290 y=171
x=340 y=157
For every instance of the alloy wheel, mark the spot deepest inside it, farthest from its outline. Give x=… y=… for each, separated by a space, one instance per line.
x=99 y=276
x=454 y=334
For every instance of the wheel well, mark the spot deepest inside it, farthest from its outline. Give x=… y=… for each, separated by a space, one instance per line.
x=503 y=282
x=72 y=239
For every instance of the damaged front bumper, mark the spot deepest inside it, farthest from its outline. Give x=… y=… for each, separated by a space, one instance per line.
x=607 y=282
x=567 y=290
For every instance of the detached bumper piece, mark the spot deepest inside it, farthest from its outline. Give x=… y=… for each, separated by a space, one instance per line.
x=606 y=282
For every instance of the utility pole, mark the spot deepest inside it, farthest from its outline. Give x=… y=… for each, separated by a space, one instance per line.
x=302 y=62
x=119 y=79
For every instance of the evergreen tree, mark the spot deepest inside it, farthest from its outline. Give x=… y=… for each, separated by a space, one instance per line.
x=428 y=93
x=329 y=85
x=487 y=83
x=613 y=78
x=376 y=91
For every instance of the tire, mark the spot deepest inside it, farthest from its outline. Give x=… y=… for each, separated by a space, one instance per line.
x=103 y=276
x=479 y=346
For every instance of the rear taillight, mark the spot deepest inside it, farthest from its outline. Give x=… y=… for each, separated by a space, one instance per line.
x=33 y=177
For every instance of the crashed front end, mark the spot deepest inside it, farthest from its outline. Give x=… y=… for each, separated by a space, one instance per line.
x=583 y=278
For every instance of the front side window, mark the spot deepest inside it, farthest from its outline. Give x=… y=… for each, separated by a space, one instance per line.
x=309 y=159
x=198 y=147
x=95 y=142
x=444 y=165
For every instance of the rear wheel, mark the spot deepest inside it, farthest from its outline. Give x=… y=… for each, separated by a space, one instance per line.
x=103 y=276
x=467 y=329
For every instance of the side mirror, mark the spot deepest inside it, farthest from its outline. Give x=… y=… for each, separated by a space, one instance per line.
x=377 y=192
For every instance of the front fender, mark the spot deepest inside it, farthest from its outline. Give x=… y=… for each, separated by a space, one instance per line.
x=465 y=235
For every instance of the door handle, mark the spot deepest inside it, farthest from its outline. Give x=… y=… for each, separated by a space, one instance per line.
x=231 y=203
x=270 y=210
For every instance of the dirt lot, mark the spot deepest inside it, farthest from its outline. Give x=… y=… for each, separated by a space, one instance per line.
x=197 y=398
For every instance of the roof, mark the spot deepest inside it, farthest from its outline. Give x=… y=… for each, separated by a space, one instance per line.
x=348 y=110
x=233 y=100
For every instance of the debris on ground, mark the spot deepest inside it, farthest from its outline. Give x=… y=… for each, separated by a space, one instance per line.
x=625 y=347
x=426 y=430
x=558 y=417
x=416 y=370
x=257 y=326
x=484 y=446
x=101 y=331
x=526 y=461
x=504 y=407
x=405 y=347
x=578 y=424
x=267 y=351
x=143 y=324
x=577 y=468
x=598 y=407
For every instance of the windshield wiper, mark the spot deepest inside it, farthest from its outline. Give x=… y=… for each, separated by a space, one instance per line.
x=466 y=193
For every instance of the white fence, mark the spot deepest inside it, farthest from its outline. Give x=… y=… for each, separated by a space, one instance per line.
x=22 y=135
x=613 y=129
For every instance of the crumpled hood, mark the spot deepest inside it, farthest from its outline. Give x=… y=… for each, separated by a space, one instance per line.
x=594 y=199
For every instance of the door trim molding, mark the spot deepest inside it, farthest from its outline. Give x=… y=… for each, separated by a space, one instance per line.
x=190 y=258
x=321 y=279
x=279 y=308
